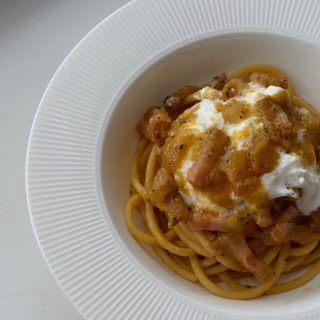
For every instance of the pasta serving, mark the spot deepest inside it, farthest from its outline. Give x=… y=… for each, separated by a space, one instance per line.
x=226 y=181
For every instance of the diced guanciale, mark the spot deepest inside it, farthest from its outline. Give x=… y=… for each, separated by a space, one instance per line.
x=283 y=229
x=208 y=221
x=263 y=218
x=235 y=112
x=262 y=154
x=216 y=177
x=282 y=122
x=174 y=147
x=177 y=209
x=236 y=166
x=218 y=82
x=289 y=215
x=155 y=125
x=211 y=150
x=163 y=193
x=281 y=232
x=274 y=119
x=246 y=257
x=233 y=88
x=268 y=80
x=160 y=186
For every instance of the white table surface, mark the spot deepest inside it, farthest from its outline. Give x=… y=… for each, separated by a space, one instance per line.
x=35 y=36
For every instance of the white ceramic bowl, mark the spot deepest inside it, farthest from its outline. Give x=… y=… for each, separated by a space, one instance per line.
x=84 y=137
x=196 y=62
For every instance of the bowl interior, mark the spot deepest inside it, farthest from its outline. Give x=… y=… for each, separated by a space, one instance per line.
x=195 y=63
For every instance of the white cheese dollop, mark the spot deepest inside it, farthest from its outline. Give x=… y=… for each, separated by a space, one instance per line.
x=291 y=179
x=207 y=116
x=257 y=92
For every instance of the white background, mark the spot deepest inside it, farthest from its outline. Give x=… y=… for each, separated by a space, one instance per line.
x=35 y=36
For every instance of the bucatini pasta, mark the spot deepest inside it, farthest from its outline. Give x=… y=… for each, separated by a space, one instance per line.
x=226 y=182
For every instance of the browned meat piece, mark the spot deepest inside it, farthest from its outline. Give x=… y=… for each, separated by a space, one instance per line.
x=155 y=125
x=282 y=232
x=282 y=122
x=235 y=112
x=174 y=100
x=216 y=177
x=246 y=257
x=235 y=164
x=262 y=154
x=211 y=150
x=290 y=215
x=263 y=218
x=223 y=220
x=284 y=227
x=174 y=147
x=274 y=119
x=267 y=108
x=207 y=221
x=177 y=209
x=233 y=88
x=162 y=191
x=240 y=187
x=160 y=186
x=218 y=82
x=267 y=80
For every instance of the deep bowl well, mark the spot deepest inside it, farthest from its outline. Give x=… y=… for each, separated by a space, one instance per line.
x=196 y=62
